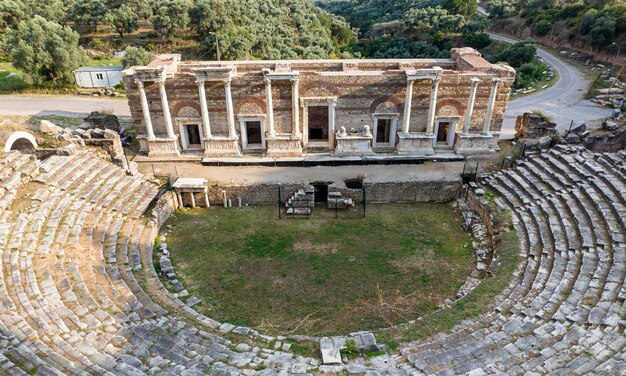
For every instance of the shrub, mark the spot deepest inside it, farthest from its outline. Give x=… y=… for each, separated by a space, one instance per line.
x=543 y=27
x=477 y=40
x=136 y=56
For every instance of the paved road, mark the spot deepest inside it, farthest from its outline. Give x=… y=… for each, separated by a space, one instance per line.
x=59 y=105
x=564 y=101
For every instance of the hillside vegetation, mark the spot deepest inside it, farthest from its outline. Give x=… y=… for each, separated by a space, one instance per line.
x=595 y=23
x=408 y=28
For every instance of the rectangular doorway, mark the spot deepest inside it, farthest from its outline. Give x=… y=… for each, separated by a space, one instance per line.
x=442 y=132
x=385 y=130
x=253 y=131
x=321 y=191
x=193 y=135
x=318 y=124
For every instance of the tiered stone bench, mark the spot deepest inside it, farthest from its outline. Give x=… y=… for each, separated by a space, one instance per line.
x=79 y=294
x=563 y=314
x=70 y=303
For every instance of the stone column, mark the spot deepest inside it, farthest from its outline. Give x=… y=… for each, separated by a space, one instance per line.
x=332 y=103
x=180 y=199
x=193 y=199
x=408 y=99
x=432 y=108
x=470 y=105
x=232 y=133
x=295 y=109
x=204 y=109
x=270 y=108
x=145 y=110
x=206 y=198
x=492 y=102
x=166 y=111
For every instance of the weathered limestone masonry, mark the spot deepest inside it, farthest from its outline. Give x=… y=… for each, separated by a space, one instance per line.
x=412 y=107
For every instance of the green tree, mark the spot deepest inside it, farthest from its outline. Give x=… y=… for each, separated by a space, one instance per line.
x=602 y=31
x=51 y=10
x=123 y=20
x=142 y=8
x=478 y=23
x=477 y=40
x=45 y=50
x=434 y=20
x=587 y=21
x=501 y=8
x=543 y=27
x=90 y=12
x=136 y=56
x=11 y=13
x=466 y=8
x=171 y=17
x=519 y=53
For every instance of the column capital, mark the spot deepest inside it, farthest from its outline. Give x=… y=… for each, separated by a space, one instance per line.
x=267 y=81
x=495 y=80
x=139 y=84
x=294 y=80
x=475 y=81
x=161 y=83
x=227 y=81
x=200 y=83
x=436 y=81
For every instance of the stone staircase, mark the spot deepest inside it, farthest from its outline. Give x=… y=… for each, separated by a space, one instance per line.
x=301 y=202
x=564 y=312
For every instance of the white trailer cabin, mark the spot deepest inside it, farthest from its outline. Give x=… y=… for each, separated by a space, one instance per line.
x=104 y=76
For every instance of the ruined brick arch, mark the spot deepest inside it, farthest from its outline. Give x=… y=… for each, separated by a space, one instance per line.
x=186 y=103
x=250 y=104
x=445 y=106
x=395 y=101
x=310 y=86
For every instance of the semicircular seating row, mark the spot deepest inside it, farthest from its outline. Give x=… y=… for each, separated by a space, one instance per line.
x=564 y=313
x=71 y=231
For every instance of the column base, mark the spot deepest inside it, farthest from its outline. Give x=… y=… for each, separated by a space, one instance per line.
x=159 y=146
x=222 y=146
x=416 y=143
x=466 y=144
x=283 y=146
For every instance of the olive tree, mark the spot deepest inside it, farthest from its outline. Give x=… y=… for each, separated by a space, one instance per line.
x=136 y=56
x=45 y=50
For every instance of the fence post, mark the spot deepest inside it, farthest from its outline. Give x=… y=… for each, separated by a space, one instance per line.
x=279 y=201
x=364 y=201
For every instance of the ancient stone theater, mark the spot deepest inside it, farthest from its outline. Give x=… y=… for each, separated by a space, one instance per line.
x=395 y=108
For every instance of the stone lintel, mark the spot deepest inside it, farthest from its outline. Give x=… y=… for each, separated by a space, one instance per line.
x=424 y=74
x=219 y=73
